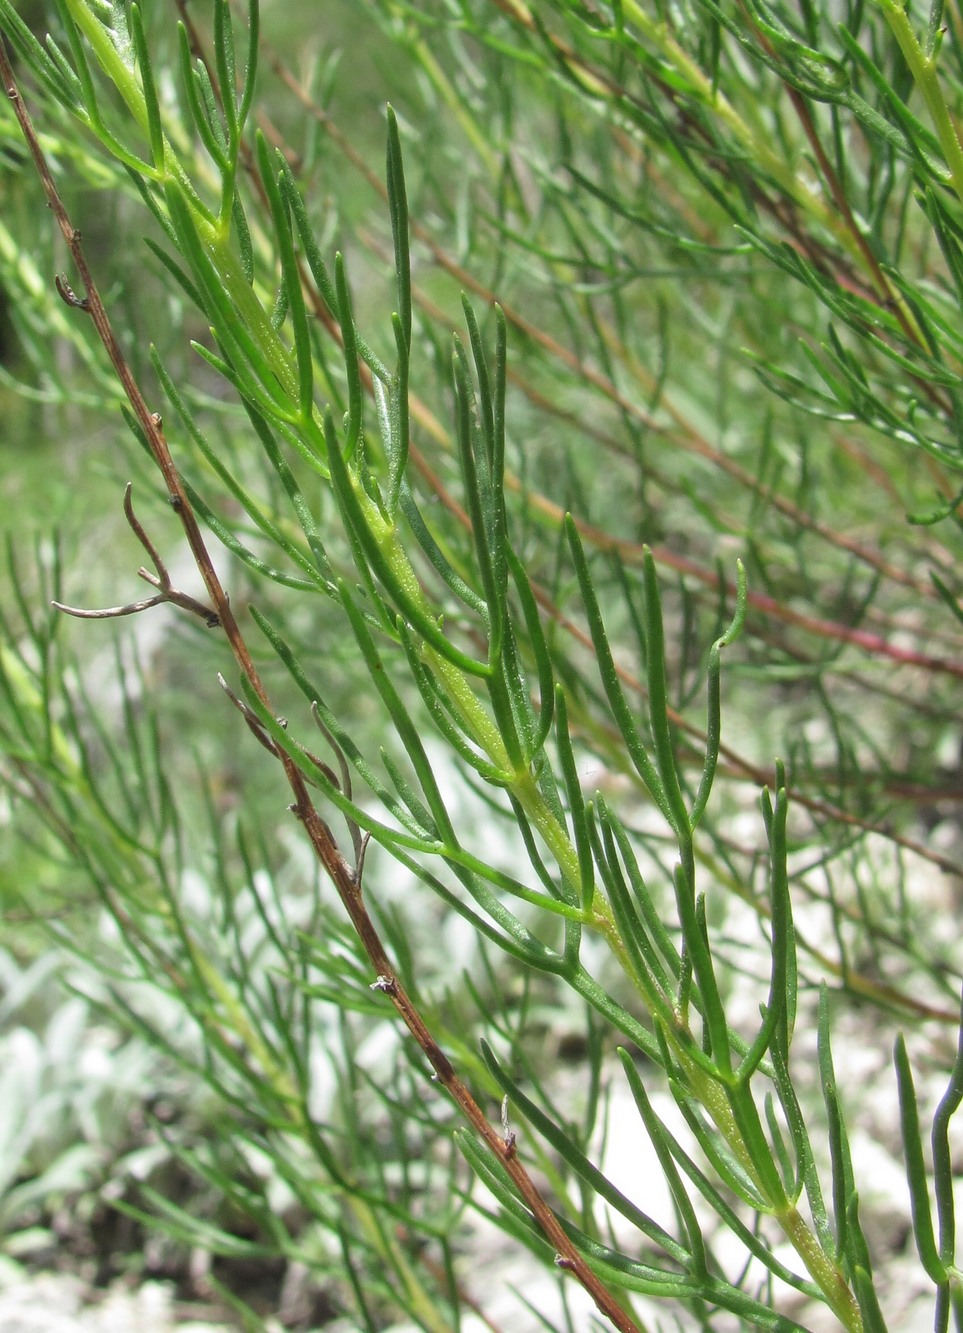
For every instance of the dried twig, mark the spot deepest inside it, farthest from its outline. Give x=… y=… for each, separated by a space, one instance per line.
x=161 y=580
x=250 y=717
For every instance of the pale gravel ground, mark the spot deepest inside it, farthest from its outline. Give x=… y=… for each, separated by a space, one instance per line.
x=58 y=1303
x=61 y=1303
x=862 y=1041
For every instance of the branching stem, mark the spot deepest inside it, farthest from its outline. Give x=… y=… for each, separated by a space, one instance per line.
x=319 y=834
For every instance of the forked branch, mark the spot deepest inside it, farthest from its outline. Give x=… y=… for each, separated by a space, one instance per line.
x=161 y=580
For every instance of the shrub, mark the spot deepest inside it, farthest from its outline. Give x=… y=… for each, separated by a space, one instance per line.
x=701 y=410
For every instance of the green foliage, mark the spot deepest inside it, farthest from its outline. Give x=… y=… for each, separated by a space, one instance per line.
x=708 y=367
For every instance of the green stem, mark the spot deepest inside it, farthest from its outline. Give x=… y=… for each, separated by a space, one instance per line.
x=702 y=87
x=250 y=308
x=118 y=65
x=214 y=235
x=923 y=69
x=821 y=1266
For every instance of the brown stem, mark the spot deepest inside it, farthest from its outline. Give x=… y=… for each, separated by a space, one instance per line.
x=322 y=840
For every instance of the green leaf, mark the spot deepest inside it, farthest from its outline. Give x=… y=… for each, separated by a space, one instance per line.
x=613 y=689
x=916 y=1168
x=398 y=206
x=154 y=131
x=291 y=280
